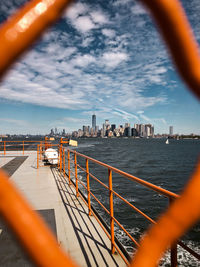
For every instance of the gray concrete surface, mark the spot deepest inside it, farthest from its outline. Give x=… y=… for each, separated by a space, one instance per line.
x=80 y=235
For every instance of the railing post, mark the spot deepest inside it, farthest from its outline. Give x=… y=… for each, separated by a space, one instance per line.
x=64 y=161
x=111 y=211
x=68 y=158
x=88 y=186
x=40 y=151
x=173 y=252
x=60 y=157
x=75 y=163
x=58 y=146
x=23 y=147
x=4 y=147
x=37 y=156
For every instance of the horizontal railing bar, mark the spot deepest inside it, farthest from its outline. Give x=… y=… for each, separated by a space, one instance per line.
x=100 y=203
x=138 y=180
x=18 y=145
x=130 y=177
x=130 y=236
x=20 y=152
x=21 y=141
x=81 y=168
x=15 y=150
x=50 y=145
x=135 y=208
x=95 y=178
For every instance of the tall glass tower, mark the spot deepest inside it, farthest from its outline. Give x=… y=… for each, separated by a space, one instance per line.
x=170 y=130
x=93 y=121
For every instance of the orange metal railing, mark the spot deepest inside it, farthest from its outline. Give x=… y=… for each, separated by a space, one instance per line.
x=18 y=147
x=47 y=143
x=27 y=24
x=178 y=218
x=41 y=148
x=73 y=165
x=22 y=147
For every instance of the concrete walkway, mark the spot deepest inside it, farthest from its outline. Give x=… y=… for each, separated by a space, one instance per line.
x=80 y=235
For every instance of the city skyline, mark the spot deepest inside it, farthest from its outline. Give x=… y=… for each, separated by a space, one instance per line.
x=109 y=129
x=92 y=125
x=102 y=57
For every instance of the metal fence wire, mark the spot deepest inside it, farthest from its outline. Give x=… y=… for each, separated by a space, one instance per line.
x=16 y=35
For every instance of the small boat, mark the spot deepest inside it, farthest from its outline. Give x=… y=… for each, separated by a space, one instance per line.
x=167 y=142
x=51 y=156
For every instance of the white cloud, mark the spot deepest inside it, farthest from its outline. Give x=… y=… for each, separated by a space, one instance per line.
x=134 y=100
x=87 y=41
x=66 y=83
x=84 y=19
x=40 y=93
x=154 y=72
x=114 y=62
x=125 y=115
x=75 y=10
x=138 y=10
x=155 y=121
x=155 y=79
x=60 y=74
x=109 y=33
x=121 y=2
x=162 y=120
x=84 y=24
x=82 y=61
x=144 y=117
x=78 y=16
x=160 y=70
x=99 y=18
x=111 y=59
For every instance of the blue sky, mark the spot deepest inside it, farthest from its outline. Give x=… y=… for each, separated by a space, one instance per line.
x=104 y=57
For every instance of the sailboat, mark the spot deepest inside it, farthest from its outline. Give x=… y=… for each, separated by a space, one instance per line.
x=167 y=142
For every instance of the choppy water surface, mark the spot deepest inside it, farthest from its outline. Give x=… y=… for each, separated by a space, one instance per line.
x=168 y=166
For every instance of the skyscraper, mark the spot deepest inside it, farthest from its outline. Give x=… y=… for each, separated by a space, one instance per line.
x=113 y=126
x=170 y=130
x=104 y=129
x=93 y=121
x=127 y=125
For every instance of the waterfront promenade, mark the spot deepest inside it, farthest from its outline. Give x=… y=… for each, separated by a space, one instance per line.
x=49 y=193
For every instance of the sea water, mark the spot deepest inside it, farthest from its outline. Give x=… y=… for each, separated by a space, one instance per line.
x=168 y=166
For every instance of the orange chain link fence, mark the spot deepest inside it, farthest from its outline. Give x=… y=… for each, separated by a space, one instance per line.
x=16 y=35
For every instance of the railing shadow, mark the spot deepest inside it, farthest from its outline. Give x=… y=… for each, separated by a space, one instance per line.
x=80 y=220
